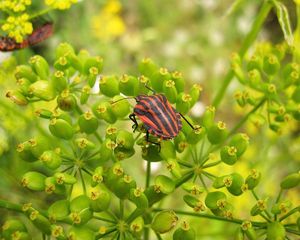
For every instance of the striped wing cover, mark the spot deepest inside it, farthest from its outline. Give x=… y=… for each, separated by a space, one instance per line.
x=158 y=116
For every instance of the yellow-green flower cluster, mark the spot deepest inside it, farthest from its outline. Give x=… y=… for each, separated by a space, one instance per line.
x=17 y=27
x=60 y=4
x=14 y=5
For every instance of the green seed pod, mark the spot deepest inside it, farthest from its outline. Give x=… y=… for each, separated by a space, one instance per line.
x=164 y=221
x=12 y=226
x=97 y=176
x=196 y=134
x=147 y=67
x=281 y=207
x=253 y=179
x=62 y=63
x=51 y=186
x=64 y=116
x=151 y=154
x=107 y=148
x=237 y=182
x=138 y=198
x=59 y=210
x=88 y=123
x=219 y=182
x=137 y=225
x=42 y=89
x=228 y=155
x=23 y=85
x=24 y=71
x=239 y=235
x=115 y=173
x=271 y=64
x=275 y=231
x=85 y=94
x=183 y=103
x=111 y=132
x=158 y=78
x=122 y=187
x=164 y=184
x=290 y=181
x=63 y=49
x=249 y=230
x=99 y=200
x=167 y=150
x=125 y=139
x=92 y=77
x=195 y=93
x=120 y=108
x=80 y=210
x=179 y=81
x=90 y=62
x=61 y=128
x=64 y=178
x=192 y=188
x=260 y=206
x=66 y=101
x=195 y=203
x=153 y=195
x=123 y=153
x=184 y=232
x=17 y=97
x=208 y=117
x=170 y=90
x=213 y=200
x=173 y=167
x=75 y=62
x=41 y=222
x=103 y=110
x=255 y=62
x=83 y=143
x=34 y=181
x=143 y=82
x=255 y=79
x=109 y=86
x=44 y=113
x=240 y=141
x=238 y=72
x=180 y=142
x=59 y=81
x=40 y=66
x=58 y=232
x=217 y=133
x=82 y=232
x=129 y=85
x=51 y=159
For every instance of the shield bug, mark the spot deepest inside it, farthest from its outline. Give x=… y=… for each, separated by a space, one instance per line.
x=158 y=116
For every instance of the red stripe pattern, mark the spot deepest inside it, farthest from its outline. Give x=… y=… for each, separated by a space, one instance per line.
x=158 y=116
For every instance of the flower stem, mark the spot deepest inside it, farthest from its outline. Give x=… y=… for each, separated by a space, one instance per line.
x=148 y=174
x=40 y=13
x=294 y=210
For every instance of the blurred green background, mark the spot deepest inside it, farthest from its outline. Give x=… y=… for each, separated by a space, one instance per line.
x=195 y=37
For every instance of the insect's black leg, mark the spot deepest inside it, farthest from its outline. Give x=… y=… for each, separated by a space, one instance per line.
x=152 y=90
x=187 y=121
x=149 y=141
x=132 y=118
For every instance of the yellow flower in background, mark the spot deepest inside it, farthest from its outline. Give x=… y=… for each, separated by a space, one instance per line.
x=108 y=24
x=60 y=4
x=14 y=5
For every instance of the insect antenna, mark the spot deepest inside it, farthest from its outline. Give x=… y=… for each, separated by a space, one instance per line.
x=187 y=121
x=113 y=102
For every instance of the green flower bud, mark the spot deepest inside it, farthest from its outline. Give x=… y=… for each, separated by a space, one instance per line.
x=42 y=89
x=291 y=73
x=195 y=203
x=125 y=139
x=215 y=200
x=255 y=62
x=235 y=184
x=255 y=79
x=92 y=77
x=192 y=188
x=83 y=143
x=59 y=210
x=153 y=195
x=170 y=90
x=24 y=71
x=195 y=93
x=120 y=108
x=275 y=231
x=249 y=230
x=143 y=82
x=62 y=63
x=51 y=159
x=122 y=186
x=138 y=198
x=208 y=117
x=271 y=64
x=91 y=62
x=183 y=103
x=64 y=116
x=179 y=81
x=99 y=200
x=23 y=84
x=228 y=155
x=253 y=179
x=109 y=86
x=41 y=222
x=115 y=173
x=281 y=207
x=63 y=49
x=75 y=62
x=51 y=186
x=88 y=123
x=137 y=225
x=80 y=210
x=59 y=81
x=260 y=206
x=219 y=182
x=217 y=133
x=79 y=233
x=167 y=150
x=111 y=132
x=129 y=85
x=123 y=153
x=64 y=178
x=158 y=78
x=290 y=181
x=85 y=94
x=185 y=232
x=173 y=167
x=17 y=97
x=238 y=72
x=12 y=226
x=103 y=110
x=240 y=141
x=164 y=184
x=196 y=134
x=107 y=148
x=40 y=66
x=61 y=128
x=164 y=221
x=151 y=154
x=147 y=67
x=57 y=232
x=180 y=142
x=44 y=113
x=239 y=235
x=34 y=181
x=66 y=101
x=97 y=176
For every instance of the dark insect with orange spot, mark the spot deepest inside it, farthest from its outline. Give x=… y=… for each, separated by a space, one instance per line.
x=38 y=35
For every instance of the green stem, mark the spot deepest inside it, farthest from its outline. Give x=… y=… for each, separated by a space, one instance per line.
x=211 y=164
x=183 y=163
x=105 y=234
x=148 y=174
x=146 y=233
x=203 y=183
x=294 y=210
x=82 y=181
x=104 y=219
x=292 y=231
x=121 y=208
x=250 y=38
x=10 y=206
x=40 y=13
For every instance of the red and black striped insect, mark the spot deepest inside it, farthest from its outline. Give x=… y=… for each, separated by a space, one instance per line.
x=38 y=35
x=158 y=116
